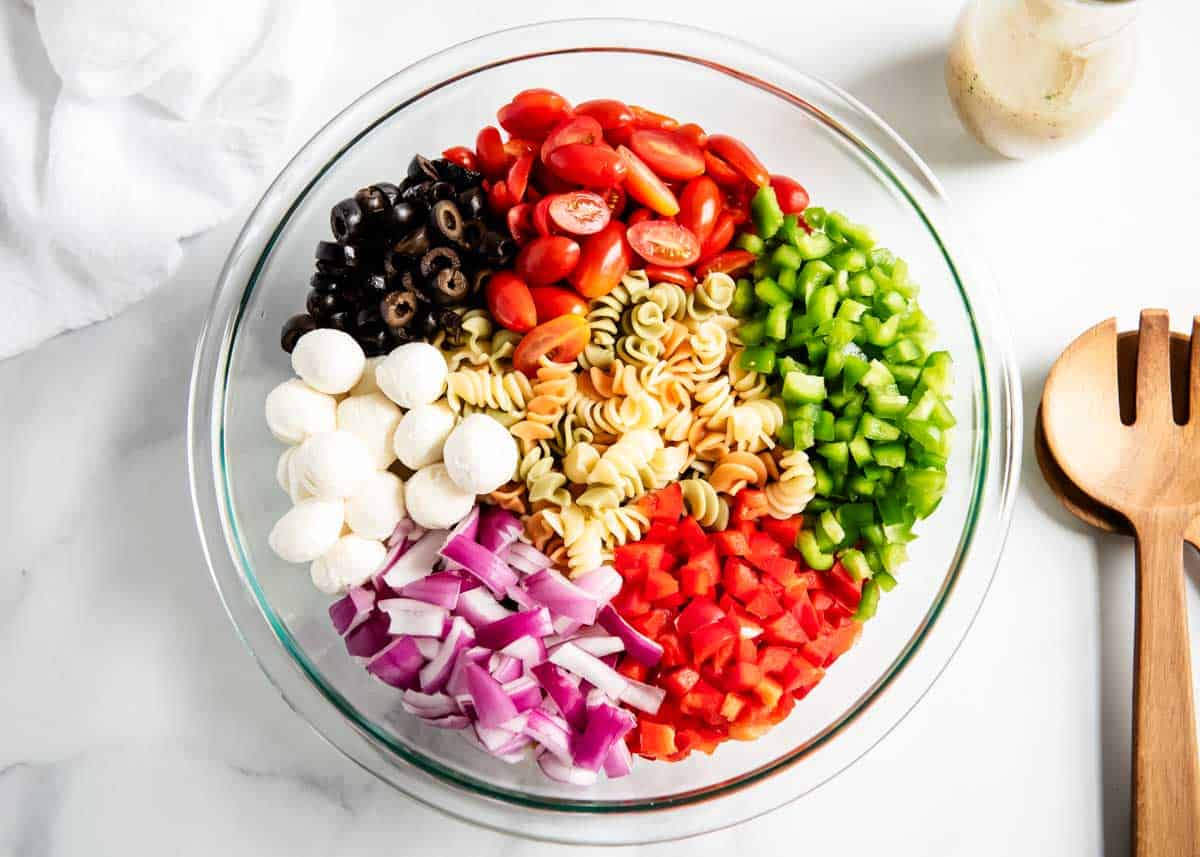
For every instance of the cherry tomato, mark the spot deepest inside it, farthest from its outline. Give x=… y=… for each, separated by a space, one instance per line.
x=518 y=177
x=721 y=236
x=591 y=166
x=638 y=216
x=699 y=206
x=693 y=132
x=605 y=259
x=730 y=262
x=547 y=259
x=462 y=156
x=580 y=212
x=553 y=301
x=721 y=172
x=515 y=147
x=643 y=185
x=541 y=215
x=644 y=118
x=615 y=199
x=547 y=182
x=509 y=301
x=609 y=112
x=498 y=199
x=678 y=276
x=532 y=113
x=792 y=196
x=561 y=340
x=489 y=151
x=672 y=156
x=520 y=223
x=663 y=243
x=580 y=129
x=738 y=155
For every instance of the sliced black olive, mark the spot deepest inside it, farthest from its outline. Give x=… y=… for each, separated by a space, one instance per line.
x=441 y=190
x=367 y=316
x=338 y=256
x=390 y=191
x=398 y=308
x=497 y=249
x=446 y=220
x=449 y=321
x=427 y=325
x=458 y=175
x=373 y=286
x=373 y=200
x=472 y=234
x=406 y=214
x=294 y=328
x=420 y=167
x=479 y=280
x=450 y=286
x=418 y=191
x=472 y=202
x=375 y=340
x=340 y=321
x=438 y=259
x=415 y=243
x=323 y=304
x=346 y=221
x=326 y=282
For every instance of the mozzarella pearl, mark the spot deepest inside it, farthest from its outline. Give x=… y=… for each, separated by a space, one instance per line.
x=377 y=506
x=283 y=475
x=350 y=562
x=332 y=465
x=373 y=419
x=434 y=501
x=480 y=454
x=307 y=530
x=421 y=434
x=329 y=360
x=413 y=374
x=366 y=384
x=295 y=410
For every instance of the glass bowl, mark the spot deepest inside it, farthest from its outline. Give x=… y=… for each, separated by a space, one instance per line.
x=848 y=159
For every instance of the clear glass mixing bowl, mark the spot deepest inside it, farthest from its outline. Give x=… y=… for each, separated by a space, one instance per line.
x=848 y=159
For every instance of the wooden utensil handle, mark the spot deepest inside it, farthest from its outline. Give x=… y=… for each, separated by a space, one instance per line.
x=1166 y=770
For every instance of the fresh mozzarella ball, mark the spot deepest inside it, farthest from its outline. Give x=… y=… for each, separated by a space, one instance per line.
x=350 y=562
x=480 y=454
x=332 y=465
x=281 y=470
x=329 y=360
x=421 y=434
x=295 y=410
x=373 y=418
x=366 y=384
x=377 y=506
x=307 y=530
x=434 y=501
x=413 y=374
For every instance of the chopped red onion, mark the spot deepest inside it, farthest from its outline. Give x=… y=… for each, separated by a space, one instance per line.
x=350 y=611
x=524 y=691
x=606 y=725
x=603 y=583
x=492 y=705
x=417 y=561
x=561 y=596
x=494 y=737
x=522 y=598
x=525 y=558
x=643 y=696
x=600 y=646
x=560 y=771
x=441 y=589
x=574 y=659
x=450 y=721
x=435 y=674
x=457 y=682
x=531 y=651
x=504 y=668
x=428 y=647
x=548 y=733
x=640 y=647
x=428 y=705
x=566 y=694
x=404 y=528
x=479 y=608
x=397 y=663
x=565 y=627
x=369 y=637
x=498 y=634
x=468 y=527
x=417 y=618
x=498 y=528
x=479 y=561
x=619 y=762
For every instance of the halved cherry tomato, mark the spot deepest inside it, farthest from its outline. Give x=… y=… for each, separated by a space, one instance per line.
x=579 y=129
x=520 y=223
x=721 y=172
x=489 y=151
x=661 y=242
x=580 y=212
x=515 y=147
x=462 y=156
x=792 y=196
x=679 y=276
x=553 y=301
x=518 y=177
x=560 y=339
x=721 y=235
x=738 y=155
x=541 y=215
x=615 y=199
x=510 y=302
x=699 y=206
x=547 y=182
x=591 y=166
x=498 y=199
x=644 y=118
x=693 y=132
x=605 y=259
x=532 y=113
x=609 y=112
x=730 y=262
x=638 y=215
x=547 y=259
x=644 y=186
x=672 y=156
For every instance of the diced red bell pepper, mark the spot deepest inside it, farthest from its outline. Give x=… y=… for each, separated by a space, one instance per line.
x=810 y=580
x=725 y=652
x=704 y=701
x=731 y=543
x=708 y=638
x=806 y=614
x=763 y=548
x=746 y=650
x=663 y=505
x=843 y=587
x=841 y=640
x=699 y=612
x=662 y=533
x=659 y=584
x=741 y=675
x=749 y=628
x=703 y=739
x=633 y=668
x=673 y=652
x=639 y=557
x=672 y=602
x=700 y=575
x=817 y=652
x=692 y=536
x=679 y=681
x=784 y=629
x=732 y=706
x=764 y=604
x=781 y=568
x=751 y=504
x=769 y=692
x=821 y=600
x=772 y=659
x=783 y=531
x=656 y=739
x=652 y=623
x=630 y=602
x=739 y=579
x=748 y=726
x=799 y=674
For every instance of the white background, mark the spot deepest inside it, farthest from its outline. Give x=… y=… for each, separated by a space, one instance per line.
x=132 y=722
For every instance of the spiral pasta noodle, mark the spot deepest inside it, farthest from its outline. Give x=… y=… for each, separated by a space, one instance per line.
x=795 y=487
x=735 y=471
x=604 y=319
x=704 y=504
x=508 y=392
x=550 y=393
x=711 y=296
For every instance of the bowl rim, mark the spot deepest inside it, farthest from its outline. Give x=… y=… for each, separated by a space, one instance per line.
x=206 y=404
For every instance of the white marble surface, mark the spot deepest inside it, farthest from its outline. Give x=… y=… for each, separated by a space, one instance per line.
x=132 y=721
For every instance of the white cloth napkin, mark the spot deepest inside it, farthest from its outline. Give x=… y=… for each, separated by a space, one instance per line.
x=127 y=126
